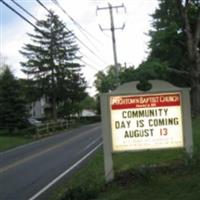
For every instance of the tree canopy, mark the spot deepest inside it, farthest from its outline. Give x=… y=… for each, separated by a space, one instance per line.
x=175 y=40
x=12 y=103
x=106 y=81
x=148 y=70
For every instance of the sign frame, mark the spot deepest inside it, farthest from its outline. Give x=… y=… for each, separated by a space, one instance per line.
x=152 y=94
x=130 y=89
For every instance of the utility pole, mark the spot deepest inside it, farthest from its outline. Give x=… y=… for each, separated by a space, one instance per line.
x=112 y=29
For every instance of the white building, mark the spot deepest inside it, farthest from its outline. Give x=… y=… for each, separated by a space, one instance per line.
x=37 y=108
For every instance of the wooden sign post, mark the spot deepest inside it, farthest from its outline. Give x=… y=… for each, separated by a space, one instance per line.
x=134 y=120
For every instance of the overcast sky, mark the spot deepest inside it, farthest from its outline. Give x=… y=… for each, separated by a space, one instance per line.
x=131 y=42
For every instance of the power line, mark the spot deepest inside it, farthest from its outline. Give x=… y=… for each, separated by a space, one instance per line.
x=78 y=39
x=83 y=31
x=94 y=63
x=27 y=12
x=43 y=6
x=91 y=66
x=20 y=15
x=85 y=56
x=91 y=51
x=76 y=23
x=16 y=12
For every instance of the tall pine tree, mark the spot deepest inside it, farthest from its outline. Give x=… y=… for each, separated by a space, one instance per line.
x=52 y=62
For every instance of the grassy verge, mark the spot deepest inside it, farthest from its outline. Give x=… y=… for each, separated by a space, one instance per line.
x=86 y=184
x=151 y=175
x=180 y=182
x=8 y=142
x=25 y=136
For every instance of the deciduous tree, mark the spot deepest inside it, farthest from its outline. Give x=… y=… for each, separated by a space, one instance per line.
x=175 y=41
x=189 y=11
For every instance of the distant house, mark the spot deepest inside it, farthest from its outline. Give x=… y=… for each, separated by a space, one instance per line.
x=88 y=113
x=39 y=108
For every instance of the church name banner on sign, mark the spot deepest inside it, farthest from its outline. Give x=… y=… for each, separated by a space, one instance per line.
x=152 y=121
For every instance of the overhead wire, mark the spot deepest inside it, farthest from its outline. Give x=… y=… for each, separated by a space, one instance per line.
x=34 y=26
x=41 y=4
x=30 y=23
x=81 y=29
x=20 y=15
x=92 y=65
x=89 y=65
x=76 y=23
x=78 y=39
x=27 y=12
x=65 y=27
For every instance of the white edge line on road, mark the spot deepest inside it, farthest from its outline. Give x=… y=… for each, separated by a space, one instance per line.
x=92 y=143
x=64 y=173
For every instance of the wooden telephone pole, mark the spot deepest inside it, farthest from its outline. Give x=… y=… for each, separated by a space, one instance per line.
x=112 y=29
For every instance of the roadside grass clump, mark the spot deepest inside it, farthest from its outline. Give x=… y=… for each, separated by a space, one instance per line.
x=86 y=183
x=178 y=181
x=17 y=138
x=84 y=192
x=7 y=142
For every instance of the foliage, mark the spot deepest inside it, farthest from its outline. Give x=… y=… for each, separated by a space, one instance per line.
x=89 y=119
x=175 y=41
x=65 y=110
x=106 y=81
x=167 y=39
x=148 y=70
x=12 y=104
x=52 y=63
x=88 y=103
x=30 y=90
x=168 y=42
x=176 y=183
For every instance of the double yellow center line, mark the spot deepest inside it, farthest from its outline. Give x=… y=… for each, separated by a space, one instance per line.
x=24 y=160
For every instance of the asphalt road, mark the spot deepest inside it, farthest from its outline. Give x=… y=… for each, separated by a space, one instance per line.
x=30 y=171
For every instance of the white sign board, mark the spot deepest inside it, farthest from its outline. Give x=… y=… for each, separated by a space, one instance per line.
x=152 y=121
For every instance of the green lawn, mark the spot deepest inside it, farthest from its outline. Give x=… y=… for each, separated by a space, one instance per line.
x=8 y=142
x=180 y=184
x=152 y=175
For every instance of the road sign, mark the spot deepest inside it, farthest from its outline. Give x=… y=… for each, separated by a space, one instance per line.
x=140 y=122
x=134 y=120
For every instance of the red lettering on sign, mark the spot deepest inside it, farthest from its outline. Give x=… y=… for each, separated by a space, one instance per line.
x=145 y=101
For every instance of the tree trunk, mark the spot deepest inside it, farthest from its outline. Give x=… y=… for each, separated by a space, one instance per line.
x=195 y=95
x=193 y=53
x=195 y=83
